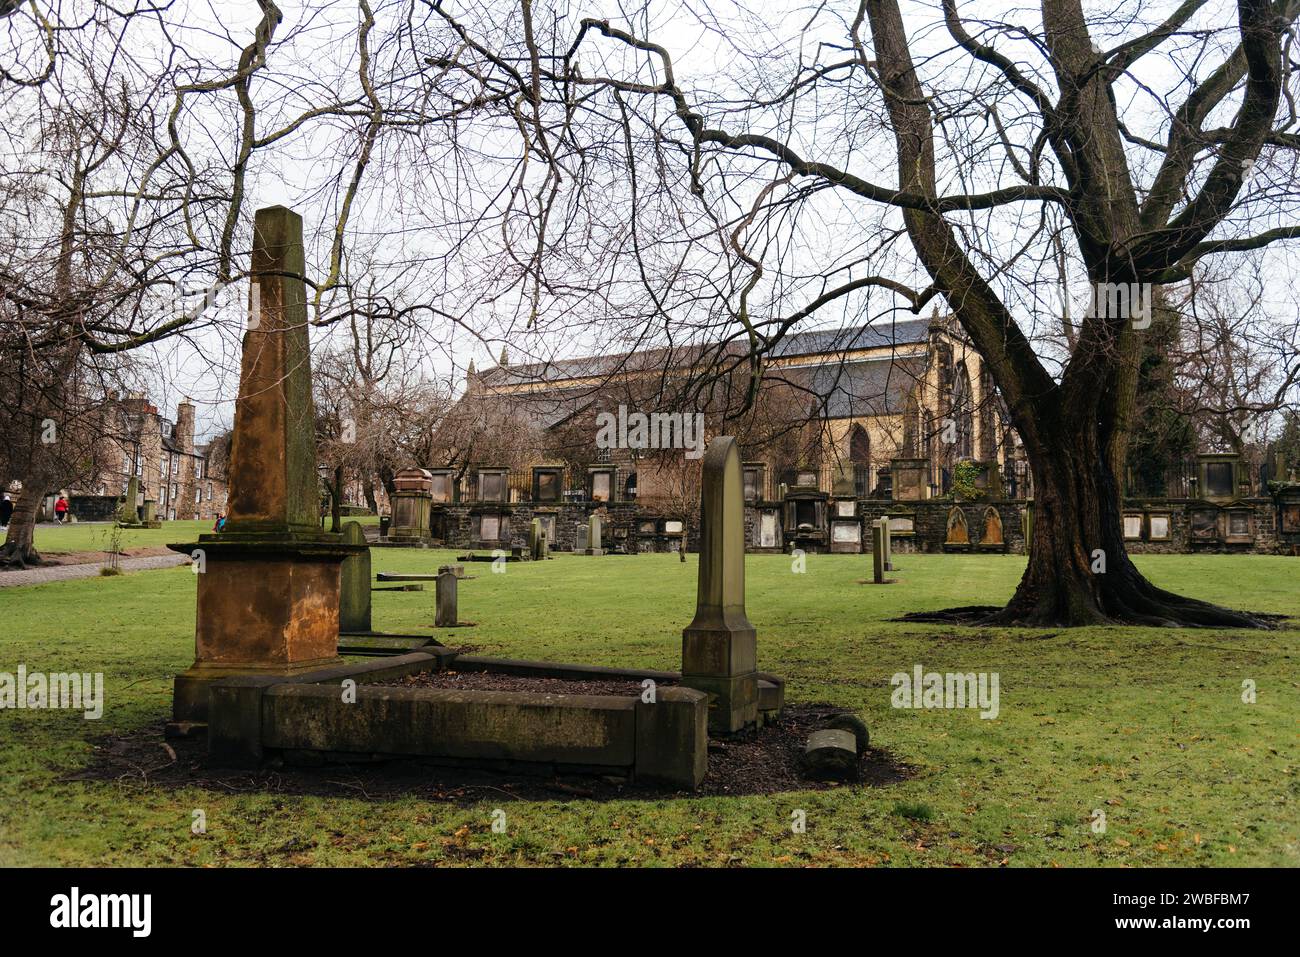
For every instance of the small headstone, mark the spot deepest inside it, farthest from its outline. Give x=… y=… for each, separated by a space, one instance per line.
x=887 y=544
x=831 y=754
x=992 y=537
x=958 y=534
x=580 y=533
x=855 y=726
x=445 y=615
x=354 y=582
x=877 y=554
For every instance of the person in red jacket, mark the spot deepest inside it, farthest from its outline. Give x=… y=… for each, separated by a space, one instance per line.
x=61 y=510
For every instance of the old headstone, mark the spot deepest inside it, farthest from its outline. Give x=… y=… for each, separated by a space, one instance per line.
x=992 y=536
x=446 y=614
x=129 y=514
x=855 y=726
x=957 y=531
x=831 y=754
x=887 y=543
x=580 y=533
x=536 y=540
x=877 y=553
x=593 y=538
x=719 y=646
x=268 y=598
x=354 y=582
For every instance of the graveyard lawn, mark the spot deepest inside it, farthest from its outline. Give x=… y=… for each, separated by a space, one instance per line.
x=1145 y=725
x=53 y=540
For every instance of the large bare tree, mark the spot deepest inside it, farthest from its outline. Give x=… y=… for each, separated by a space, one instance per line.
x=1134 y=142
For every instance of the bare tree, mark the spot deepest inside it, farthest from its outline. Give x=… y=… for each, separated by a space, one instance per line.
x=1017 y=139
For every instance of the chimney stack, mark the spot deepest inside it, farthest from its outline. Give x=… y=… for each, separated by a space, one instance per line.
x=185 y=424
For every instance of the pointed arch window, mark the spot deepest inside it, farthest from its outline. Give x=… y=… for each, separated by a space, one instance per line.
x=963 y=414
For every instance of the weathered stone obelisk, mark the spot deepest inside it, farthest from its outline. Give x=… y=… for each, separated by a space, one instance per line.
x=268 y=588
x=719 y=647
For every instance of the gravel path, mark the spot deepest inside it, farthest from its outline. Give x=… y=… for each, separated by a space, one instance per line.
x=58 y=573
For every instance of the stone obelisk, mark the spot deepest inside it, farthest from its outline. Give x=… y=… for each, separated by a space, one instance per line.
x=719 y=647
x=268 y=588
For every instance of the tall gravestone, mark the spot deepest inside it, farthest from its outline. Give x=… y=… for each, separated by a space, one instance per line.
x=593 y=536
x=720 y=647
x=542 y=547
x=354 y=582
x=536 y=539
x=268 y=592
x=886 y=543
x=877 y=554
x=129 y=514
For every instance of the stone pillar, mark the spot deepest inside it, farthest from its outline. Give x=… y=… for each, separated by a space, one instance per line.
x=446 y=613
x=354 y=583
x=268 y=599
x=535 y=537
x=877 y=554
x=720 y=647
x=129 y=515
x=886 y=543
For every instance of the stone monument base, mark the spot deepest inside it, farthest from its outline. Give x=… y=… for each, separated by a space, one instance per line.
x=723 y=664
x=267 y=605
x=190 y=689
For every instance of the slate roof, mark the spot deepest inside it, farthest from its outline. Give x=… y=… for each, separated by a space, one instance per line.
x=907 y=332
x=866 y=387
x=826 y=341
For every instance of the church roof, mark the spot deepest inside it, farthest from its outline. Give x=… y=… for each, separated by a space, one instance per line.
x=829 y=342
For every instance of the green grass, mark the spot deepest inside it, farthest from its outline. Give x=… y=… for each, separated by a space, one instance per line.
x=96 y=536
x=1145 y=724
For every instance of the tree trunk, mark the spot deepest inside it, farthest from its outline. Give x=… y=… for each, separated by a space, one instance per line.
x=19 y=548
x=368 y=487
x=1079 y=571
